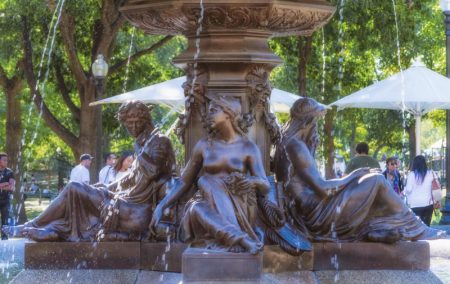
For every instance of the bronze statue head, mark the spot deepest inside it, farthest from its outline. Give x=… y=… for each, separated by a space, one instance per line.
x=303 y=121
x=231 y=107
x=135 y=116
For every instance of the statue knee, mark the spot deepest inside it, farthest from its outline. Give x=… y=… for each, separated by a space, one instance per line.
x=72 y=187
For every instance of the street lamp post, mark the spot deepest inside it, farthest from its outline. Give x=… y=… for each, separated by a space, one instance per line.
x=445 y=219
x=99 y=70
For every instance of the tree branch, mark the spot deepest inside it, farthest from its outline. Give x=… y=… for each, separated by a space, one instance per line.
x=74 y=110
x=64 y=133
x=106 y=28
x=3 y=77
x=139 y=54
x=67 y=32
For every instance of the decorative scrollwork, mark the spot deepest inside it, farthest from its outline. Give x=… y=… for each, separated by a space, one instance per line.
x=260 y=90
x=194 y=91
x=278 y=19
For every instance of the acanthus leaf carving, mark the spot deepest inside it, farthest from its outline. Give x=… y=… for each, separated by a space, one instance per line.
x=280 y=21
x=194 y=92
x=260 y=90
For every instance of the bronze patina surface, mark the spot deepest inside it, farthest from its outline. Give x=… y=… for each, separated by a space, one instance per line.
x=371 y=256
x=120 y=211
x=82 y=255
x=234 y=58
x=227 y=170
x=360 y=206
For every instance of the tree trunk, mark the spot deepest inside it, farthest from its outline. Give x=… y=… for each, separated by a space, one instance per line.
x=13 y=143
x=353 y=140
x=304 y=48
x=412 y=141
x=329 y=144
x=377 y=151
x=89 y=133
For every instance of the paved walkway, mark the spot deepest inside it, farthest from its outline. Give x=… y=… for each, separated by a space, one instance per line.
x=12 y=252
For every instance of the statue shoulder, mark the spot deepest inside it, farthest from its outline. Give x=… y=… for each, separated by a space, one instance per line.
x=296 y=145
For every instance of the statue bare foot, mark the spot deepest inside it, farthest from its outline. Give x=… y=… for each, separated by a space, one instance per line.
x=388 y=236
x=41 y=235
x=251 y=245
x=14 y=231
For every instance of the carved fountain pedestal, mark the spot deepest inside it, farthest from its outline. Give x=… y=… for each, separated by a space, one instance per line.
x=233 y=57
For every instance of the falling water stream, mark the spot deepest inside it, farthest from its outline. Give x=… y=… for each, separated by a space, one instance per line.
x=8 y=249
x=403 y=106
x=127 y=70
x=47 y=52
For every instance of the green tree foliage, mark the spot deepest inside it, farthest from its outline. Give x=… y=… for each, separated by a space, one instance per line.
x=358 y=51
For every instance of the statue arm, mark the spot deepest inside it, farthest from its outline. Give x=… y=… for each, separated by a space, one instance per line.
x=256 y=168
x=187 y=179
x=304 y=166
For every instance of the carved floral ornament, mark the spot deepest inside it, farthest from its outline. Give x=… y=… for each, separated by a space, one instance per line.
x=194 y=93
x=277 y=20
x=260 y=90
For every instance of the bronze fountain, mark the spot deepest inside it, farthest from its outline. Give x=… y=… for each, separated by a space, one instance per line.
x=228 y=131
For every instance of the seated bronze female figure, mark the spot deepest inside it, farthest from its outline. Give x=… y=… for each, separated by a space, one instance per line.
x=121 y=211
x=360 y=206
x=229 y=175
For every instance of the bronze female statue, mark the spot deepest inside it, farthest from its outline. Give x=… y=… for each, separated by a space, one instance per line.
x=360 y=206
x=120 y=211
x=229 y=174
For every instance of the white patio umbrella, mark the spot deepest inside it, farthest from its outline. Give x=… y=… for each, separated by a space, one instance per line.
x=171 y=94
x=416 y=90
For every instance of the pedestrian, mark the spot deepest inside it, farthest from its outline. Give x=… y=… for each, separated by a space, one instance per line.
x=123 y=166
x=7 y=184
x=418 y=189
x=80 y=173
x=362 y=159
x=106 y=175
x=392 y=175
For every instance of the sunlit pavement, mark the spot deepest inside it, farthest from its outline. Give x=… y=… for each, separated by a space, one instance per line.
x=12 y=253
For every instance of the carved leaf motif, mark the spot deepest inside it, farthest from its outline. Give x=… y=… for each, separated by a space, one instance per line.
x=195 y=98
x=280 y=21
x=260 y=90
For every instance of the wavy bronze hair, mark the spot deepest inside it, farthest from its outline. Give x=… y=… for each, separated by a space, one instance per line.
x=233 y=108
x=302 y=114
x=135 y=109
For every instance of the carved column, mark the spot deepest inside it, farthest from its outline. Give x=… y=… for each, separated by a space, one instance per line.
x=234 y=58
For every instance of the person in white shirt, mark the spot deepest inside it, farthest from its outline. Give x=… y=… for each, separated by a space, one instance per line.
x=418 y=189
x=106 y=175
x=80 y=173
x=123 y=165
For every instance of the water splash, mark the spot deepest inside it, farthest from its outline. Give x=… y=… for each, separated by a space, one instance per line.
x=127 y=70
x=403 y=95
x=47 y=52
x=197 y=44
x=324 y=65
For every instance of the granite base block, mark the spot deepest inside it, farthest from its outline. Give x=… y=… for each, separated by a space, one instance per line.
x=276 y=260
x=377 y=277
x=201 y=265
x=372 y=256
x=74 y=276
x=162 y=257
x=69 y=255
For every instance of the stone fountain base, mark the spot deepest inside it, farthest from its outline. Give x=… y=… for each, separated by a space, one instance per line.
x=156 y=256
x=134 y=262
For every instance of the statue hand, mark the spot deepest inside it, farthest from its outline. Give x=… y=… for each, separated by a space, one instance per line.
x=156 y=218
x=246 y=185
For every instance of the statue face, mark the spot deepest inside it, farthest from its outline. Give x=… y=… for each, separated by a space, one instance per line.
x=216 y=116
x=135 y=126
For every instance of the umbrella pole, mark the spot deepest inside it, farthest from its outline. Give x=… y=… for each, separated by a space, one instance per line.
x=418 y=121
